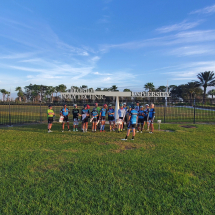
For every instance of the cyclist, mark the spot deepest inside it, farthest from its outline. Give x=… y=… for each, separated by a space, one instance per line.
x=126 y=109
x=84 y=115
x=111 y=118
x=50 y=114
x=103 y=113
x=121 y=113
x=140 y=119
x=65 y=112
x=94 y=115
x=151 y=117
x=133 y=116
x=75 y=113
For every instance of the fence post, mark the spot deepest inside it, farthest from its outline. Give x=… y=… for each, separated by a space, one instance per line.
x=40 y=112
x=9 y=114
x=164 y=117
x=194 y=112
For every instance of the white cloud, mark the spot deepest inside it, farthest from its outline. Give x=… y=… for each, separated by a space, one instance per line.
x=178 y=27
x=186 y=37
x=107 y=79
x=98 y=73
x=95 y=59
x=17 y=55
x=206 y=10
x=191 y=50
x=189 y=71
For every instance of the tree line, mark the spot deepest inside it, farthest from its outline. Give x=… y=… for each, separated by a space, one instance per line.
x=197 y=89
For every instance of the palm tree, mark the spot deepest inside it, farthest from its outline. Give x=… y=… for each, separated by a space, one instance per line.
x=192 y=88
x=20 y=93
x=206 y=79
x=8 y=94
x=149 y=86
x=211 y=93
x=4 y=92
x=114 y=88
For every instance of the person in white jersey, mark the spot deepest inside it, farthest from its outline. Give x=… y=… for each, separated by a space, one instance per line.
x=121 y=113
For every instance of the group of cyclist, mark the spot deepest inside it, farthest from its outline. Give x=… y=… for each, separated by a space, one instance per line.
x=132 y=116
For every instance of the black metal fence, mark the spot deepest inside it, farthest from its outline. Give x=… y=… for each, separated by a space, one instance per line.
x=171 y=111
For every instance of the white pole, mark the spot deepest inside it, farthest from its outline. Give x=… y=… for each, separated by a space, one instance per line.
x=166 y=94
x=116 y=108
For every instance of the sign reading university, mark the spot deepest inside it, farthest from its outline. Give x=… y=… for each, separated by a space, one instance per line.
x=92 y=94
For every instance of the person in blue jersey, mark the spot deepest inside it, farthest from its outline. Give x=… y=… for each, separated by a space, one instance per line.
x=111 y=117
x=103 y=113
x=85 y=113
x=121 y=114
x=65 y=112
x=151 y=117
x=94 y=115
x=125 y=120
x=133 y=117
x=146 y=112
x=127 y=114
x=140 y=119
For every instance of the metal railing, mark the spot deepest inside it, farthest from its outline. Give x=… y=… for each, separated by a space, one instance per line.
x=174 y=112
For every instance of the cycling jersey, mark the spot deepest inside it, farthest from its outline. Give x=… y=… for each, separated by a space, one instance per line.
x=65 y=112
x=133 y=115
x=94 y=114
x=110 y=112
x=141 y=114
x=75 y=113
x=151 y=113
x=146 y=111
x=98 y=109
x=121 y=112
x=137 y=108
x=50 y=111
x=103 y=112
x=85 y=111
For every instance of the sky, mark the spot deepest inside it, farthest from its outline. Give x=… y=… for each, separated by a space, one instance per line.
x=101 y=43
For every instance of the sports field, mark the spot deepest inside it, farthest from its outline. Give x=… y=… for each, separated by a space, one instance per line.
x=32 y=113
x=97 y=173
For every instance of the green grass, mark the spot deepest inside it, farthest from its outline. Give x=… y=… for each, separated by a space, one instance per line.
x=31 y=113
x=97 y=173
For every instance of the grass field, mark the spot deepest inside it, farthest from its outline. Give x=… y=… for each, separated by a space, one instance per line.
x=97 y=173
x=30 y=113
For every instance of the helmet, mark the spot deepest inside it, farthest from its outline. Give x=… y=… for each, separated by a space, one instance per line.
x=105 y=105
x=110 y=105
x=132 y=106
x=94 y=109
x=88 y=106
x=75 y=105
x=121 y=105
x=50 y=105
x=124 y=103
x=147 y=105
x=85 y=105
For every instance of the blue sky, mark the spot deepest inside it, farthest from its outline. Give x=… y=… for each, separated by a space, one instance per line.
x=100 y=43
